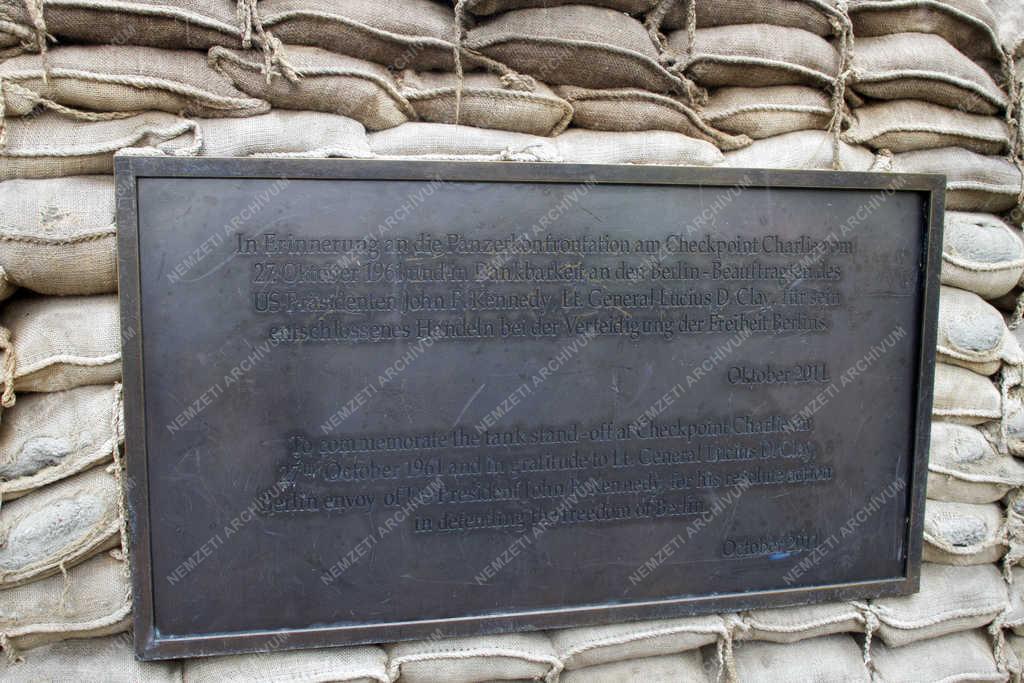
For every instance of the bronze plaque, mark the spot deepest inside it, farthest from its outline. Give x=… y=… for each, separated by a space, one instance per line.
x=372 y=401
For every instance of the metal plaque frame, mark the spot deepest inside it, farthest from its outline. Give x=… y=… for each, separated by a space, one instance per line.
x=151 y=644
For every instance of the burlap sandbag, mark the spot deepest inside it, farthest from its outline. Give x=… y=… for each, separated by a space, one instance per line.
x=688 y=666
x=485 y=102
x=51 y=145
x=980 y=253
x=400 y=34
x=109 y=78
x=484 y=7
x=792 y=624
x=645 y=147
x=909 y=125
x=919 y=66
x=964 y=396
x=1013 y=506
x=335 y=665
x=835 y=659
x=94 y=599
x=177 y=24
x=7 y=288
x=64 y=342
x=592 y=645
x=1014 y=617
x=807 y=149
x=283 y=133
x=49 y=437
x=59 y=526
x=1011 y=428
x=17 y=36
x=629 y=109
x=508 y=657
x=110 y=660
x=766 y=112
x=964 y=467
x=958 y=657
x=440 y=141
x=818 y=16
x=951 y=599
x=57 y=235
x=1009 y=16
x=972 y=333
x=963 y=534
x=331 y=82
x=968 y=25
x=974 y=182
x=754 y=55
x=594 y=47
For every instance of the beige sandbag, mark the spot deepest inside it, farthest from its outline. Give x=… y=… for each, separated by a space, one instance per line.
x=629 y=109
x=968 y=25
x=972 y=334
x=835 y=659
x=485 y=7
x=963 y=534
x=177 y=24
x=508 y=657
x=1011 y=427
x=980 y=253
x=108 y=659
x=754 y=55
x=958 y=657
x=769 y=111
x=974 y=182
x=400 y=34
x=439 y=141
x=792 y=624
x=93 y=600
x=64 y=342
x=688 y=666
x=964 y=396
x=59 y=526
x=590 y=646
x=1014 y=616
x=806 y=149
x=951 y=599
x=49 y=437
x=819 y=16
x=333 y=665
x=7 y=288
x=964 y=467
x=283 y=133
x=908 y=125
x=1014 y=508
x=16 y=37
x=1009 y=16
x=122 y=78
x=645 y=147
x=920 y=66
x=57 y=235
x=51 y=145
x=331 y=82
x=485 y=102
x=594 y=47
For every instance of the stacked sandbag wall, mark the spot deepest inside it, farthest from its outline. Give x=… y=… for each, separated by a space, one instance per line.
x=858 y=85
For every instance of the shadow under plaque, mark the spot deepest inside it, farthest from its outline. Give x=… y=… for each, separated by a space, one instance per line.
x=372 y=401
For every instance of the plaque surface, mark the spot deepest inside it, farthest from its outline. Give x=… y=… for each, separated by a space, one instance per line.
x=373 y=401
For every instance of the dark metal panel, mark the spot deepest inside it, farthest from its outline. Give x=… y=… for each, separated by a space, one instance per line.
x=197 y=478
